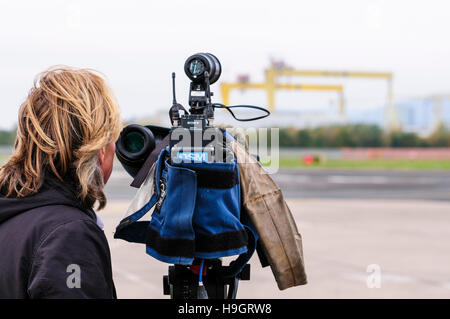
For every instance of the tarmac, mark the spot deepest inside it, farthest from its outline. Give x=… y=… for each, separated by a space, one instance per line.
x=334 y=183
x=366 y=234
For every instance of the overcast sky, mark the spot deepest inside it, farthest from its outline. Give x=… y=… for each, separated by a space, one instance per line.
x=138 y=43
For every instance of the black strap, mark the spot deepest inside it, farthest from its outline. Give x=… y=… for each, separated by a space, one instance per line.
x=262 y=254
x=151 y=159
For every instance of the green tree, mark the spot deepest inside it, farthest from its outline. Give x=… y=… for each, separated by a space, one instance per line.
x=304 y=138
x=7 y=137
x=404 y=139
x=440 y=137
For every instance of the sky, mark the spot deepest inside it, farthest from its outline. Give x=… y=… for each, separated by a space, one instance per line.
x=137 y=44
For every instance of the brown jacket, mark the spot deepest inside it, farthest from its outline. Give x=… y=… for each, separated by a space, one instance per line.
x=264 y=204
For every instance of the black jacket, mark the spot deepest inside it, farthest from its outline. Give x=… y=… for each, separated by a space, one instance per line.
x=52 y=247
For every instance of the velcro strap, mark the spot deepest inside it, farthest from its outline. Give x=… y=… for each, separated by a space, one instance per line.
x=183 y=247
x=209 y=178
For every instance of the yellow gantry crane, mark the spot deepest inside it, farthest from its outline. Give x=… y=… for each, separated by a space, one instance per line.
x=270 y=88
x=391 y=115
x=271 y=85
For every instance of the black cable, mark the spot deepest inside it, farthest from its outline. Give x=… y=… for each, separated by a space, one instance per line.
x=228 y=108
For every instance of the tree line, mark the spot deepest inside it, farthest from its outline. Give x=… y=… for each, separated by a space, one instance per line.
x=351 y=135
x=360 y=135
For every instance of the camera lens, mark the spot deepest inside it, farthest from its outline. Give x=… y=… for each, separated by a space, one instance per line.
x=134 y=142
x=197 y=64
x=196 y=67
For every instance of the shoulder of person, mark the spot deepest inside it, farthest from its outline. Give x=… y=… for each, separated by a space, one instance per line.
x=76 y=245
x=52 y=216
x=42 y=222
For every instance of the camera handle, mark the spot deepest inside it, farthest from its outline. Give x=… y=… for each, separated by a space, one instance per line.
x=182 y=282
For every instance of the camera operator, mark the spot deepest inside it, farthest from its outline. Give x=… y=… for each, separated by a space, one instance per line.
x=51 y=241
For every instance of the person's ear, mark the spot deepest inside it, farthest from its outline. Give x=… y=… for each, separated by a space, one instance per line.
x=101 y=156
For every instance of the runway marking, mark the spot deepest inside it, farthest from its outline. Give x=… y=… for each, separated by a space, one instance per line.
x=340 y=179
x=378 y=180
x=293 y=178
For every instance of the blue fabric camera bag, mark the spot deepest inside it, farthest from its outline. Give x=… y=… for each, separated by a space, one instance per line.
x=197 y=213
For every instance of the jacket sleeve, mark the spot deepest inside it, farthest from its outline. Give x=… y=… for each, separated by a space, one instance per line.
x=280 y=240
x=73 y=261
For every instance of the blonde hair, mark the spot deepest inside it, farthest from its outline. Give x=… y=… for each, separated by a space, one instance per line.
x=68 y=116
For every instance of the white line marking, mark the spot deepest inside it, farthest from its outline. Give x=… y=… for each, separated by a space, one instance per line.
x=338 y=179
x=293 y=178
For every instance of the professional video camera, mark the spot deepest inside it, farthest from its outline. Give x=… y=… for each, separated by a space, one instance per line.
x=136 y=142
x=192 y=139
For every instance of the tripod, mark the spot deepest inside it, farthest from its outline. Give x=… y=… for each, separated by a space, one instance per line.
x=182 y=282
